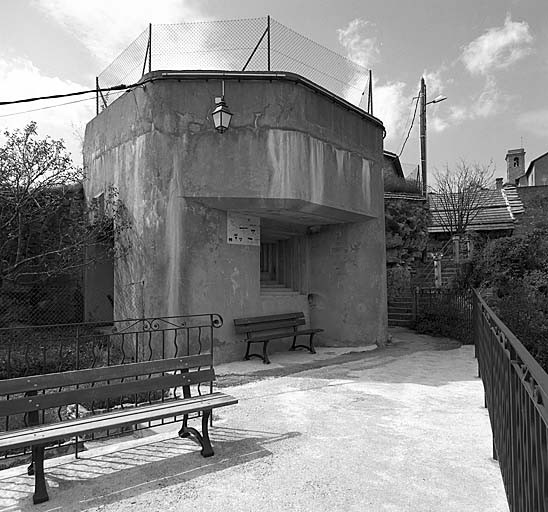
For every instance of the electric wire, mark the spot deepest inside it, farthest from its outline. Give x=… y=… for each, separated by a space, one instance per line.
x=410 y=127
x=48 y=107
x=121 y=87
x=406 y=124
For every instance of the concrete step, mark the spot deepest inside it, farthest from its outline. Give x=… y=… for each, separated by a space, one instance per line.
x=395 y=306
x=399 y=323
x=401 y=316
x=272 y=284
x=278 y=291
x=398 y=309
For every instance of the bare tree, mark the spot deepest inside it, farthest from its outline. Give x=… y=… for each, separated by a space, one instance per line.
x=461 y=193
x=45 y=225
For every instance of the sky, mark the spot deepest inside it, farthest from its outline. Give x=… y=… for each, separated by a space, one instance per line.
x=489 y=57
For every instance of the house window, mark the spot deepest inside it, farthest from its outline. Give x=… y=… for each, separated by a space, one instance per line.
x=516 y=161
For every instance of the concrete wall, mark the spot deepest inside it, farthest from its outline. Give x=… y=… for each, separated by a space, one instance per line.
x=348 y=284
x=290 y=152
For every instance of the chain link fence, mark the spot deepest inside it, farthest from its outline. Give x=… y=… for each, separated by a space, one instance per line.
x=257 y=44
x=41 y=304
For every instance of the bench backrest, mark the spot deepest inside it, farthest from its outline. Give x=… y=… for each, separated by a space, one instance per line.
x=46 y=391
x=269 y=322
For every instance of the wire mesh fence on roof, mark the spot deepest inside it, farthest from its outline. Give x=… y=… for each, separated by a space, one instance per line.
x=257 y=44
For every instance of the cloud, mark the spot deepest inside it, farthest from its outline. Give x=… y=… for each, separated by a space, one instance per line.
x=391 y=104
x=434 y=82
x=106 y=27
x=534 y=121
x=498 y=47
x=19 y=78
x=489 y=102
x=359 y=45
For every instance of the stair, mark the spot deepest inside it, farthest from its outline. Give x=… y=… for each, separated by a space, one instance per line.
x=275 y=288
x=423 y=277
x=400 y=311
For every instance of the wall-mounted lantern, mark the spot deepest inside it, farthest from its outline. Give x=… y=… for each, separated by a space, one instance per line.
x=221 y=115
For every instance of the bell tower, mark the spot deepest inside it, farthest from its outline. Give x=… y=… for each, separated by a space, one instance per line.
x=515 y=165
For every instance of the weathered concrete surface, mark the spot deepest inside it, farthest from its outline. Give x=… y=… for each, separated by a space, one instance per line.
x=400 y=428
x=291 y=154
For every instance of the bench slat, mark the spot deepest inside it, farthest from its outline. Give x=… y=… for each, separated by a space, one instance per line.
x=267 y=337
x=69 y=428
x=86 y=376
x=267 y=318
x=56 y=399
x=269 y=326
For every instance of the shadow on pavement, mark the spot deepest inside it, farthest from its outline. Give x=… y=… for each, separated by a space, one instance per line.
x=366 y=364
x=100 y=480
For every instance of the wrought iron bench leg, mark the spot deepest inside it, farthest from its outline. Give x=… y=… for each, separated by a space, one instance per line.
x=40 y=491
x=246 y=358
x=265 y=354
x=312 y=349
x=203 y=439
x=293 y=344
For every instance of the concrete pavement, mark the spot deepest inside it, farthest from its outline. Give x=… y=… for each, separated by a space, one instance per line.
x=400 y=428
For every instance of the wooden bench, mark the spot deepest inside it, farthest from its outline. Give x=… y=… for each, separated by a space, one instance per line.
x=30 y=395
x=262 y=329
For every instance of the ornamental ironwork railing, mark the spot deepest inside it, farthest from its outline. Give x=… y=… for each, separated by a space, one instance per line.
x=43 y=349
x=516 y=396
x=257 y=44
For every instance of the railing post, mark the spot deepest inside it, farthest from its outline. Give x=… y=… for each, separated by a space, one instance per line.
x=415 y=303
x=456 y=248
x=437 y=273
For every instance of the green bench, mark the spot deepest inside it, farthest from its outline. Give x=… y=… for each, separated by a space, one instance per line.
x=262 y=329
x=30 y=395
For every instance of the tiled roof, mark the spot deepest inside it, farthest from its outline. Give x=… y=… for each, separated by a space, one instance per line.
x=498 y=210
x=403 y=195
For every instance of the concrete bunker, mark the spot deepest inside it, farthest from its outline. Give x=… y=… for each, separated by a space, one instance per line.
x=298 y=165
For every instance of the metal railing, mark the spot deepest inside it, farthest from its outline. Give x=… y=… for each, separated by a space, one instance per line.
x=257 y=44
x=516 y=396
x=35 y=350
x=447 y=308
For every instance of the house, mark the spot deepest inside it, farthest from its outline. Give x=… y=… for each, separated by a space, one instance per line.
x=495 y=214
x=391 y=167
x=536 y=174
x=282 y=212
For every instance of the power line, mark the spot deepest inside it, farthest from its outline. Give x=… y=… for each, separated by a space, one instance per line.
x=411 y=126
x=121 y=87
x=406 y=124
x=45 y=108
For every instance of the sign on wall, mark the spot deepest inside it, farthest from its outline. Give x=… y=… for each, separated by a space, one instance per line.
x=242 y=229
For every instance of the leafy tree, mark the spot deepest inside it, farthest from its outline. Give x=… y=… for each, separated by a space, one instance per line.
x=460 y=195
x=45 y=225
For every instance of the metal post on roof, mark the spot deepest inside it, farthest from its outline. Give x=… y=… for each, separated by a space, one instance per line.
x=149 y=47
x=370 y=94
x=268 y=39
x=97 y=95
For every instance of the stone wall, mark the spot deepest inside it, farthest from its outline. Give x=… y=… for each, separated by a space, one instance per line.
x=535 y=203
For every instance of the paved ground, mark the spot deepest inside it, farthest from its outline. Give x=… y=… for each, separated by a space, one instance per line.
x=401 y=428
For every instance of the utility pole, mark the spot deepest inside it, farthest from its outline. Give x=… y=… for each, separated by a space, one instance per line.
x=423 y=135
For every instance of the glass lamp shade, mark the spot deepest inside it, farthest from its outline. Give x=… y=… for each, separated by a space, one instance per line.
x=221 y=116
